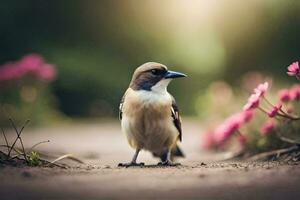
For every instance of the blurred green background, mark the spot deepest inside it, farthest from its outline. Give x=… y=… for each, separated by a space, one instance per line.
x=96 y=45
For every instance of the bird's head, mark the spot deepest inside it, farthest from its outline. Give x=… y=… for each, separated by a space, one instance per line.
x=153 y=76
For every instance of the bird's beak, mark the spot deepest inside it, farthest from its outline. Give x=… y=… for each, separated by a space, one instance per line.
x=172 y=74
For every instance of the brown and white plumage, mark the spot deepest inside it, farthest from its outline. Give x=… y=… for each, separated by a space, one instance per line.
x=149 y=114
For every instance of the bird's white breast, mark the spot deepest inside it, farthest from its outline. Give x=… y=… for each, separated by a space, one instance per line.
x=153 y=98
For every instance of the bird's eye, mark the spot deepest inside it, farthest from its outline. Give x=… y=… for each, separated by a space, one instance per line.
x=155 y=72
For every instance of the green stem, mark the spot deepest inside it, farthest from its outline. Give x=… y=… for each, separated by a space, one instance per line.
x=288 y=116
x=268 y=101
x=263 y=110
x=239 y=132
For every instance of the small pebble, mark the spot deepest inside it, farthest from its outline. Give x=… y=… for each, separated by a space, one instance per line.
x=26 y=174
x=202 y=175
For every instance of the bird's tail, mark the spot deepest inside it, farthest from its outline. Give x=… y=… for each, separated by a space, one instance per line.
x=176 y=152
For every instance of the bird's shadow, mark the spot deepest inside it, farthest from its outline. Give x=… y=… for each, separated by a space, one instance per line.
x=154 y=166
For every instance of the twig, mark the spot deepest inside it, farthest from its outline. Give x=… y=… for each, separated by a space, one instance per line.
x=273 y=153
x=42 y=142
x=18 y=136
x=16 y=150
x=288 y=140
x=5 y=139
x=70 y=156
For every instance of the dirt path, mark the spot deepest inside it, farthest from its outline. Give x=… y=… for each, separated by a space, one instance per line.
x=102 y=146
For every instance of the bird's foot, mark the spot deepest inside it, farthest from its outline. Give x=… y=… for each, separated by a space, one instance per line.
x=131 y=164
x=168 y=163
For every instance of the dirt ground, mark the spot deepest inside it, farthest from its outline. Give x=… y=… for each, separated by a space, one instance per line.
x=102 y=146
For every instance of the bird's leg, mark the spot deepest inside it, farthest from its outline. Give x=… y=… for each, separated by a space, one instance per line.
x=168 y=161
x=133 y=161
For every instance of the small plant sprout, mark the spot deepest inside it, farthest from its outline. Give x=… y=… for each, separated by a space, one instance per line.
x=34 y=159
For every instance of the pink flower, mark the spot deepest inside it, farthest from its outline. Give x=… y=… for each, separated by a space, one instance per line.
x=267 y=128
x=295 y=93
x=274 y=111
x=253 y=102
x=261 y=89
x=46 y=73
x=11 y=71
x=284 y=95
x=31 y=63
x=247 y=116
x=241 y=117
x=293 y=69
x=207 y=140
x=225 y=131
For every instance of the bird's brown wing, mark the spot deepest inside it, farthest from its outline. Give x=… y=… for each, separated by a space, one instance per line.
x=121 y=107
x=176 y=118
x=176 y=151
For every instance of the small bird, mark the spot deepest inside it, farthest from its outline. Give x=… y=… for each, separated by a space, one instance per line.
x=149 y=114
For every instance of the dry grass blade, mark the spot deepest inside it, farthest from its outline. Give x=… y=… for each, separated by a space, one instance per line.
x=37 y=144
x=10 y=147
x=69 y=156
x=57 y=165
x=18 y=136
x=6 y=142
x=24 y=153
